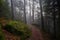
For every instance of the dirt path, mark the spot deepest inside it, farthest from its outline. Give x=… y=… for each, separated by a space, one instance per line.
x=36 y=33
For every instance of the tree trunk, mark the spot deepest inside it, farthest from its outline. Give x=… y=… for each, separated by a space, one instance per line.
x=12 y=9
x=42 y=21
x=24 y=12
x=33 y=11
x=54 y=20
x=30 y=11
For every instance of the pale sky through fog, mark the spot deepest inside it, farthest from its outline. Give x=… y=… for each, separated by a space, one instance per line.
x=27 y=7
x=36 y=4
x=36 y=7
x=9 y=2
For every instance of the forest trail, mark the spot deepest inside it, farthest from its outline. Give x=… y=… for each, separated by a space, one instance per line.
x=36 y=33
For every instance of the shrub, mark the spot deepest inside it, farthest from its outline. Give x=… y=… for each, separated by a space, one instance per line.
x=19 y=28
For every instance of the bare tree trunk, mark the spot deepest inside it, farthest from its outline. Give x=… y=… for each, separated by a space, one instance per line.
x=33 y=12
x=54 y=18
x=24 y=13
x=58 y=23
x=12 y=9
x=42 y=21
x=30 y=11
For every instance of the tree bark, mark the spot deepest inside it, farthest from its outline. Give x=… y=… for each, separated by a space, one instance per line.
x=33 y=11
x=42 y=21
x=24 y=12
x=12 y=9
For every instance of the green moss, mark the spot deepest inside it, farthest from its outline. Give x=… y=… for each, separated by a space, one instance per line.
x=20 y=26
x=2 y=37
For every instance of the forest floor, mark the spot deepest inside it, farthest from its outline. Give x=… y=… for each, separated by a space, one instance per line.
x=36 y=34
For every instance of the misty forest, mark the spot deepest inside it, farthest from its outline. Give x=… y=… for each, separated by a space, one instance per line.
x=29 y=19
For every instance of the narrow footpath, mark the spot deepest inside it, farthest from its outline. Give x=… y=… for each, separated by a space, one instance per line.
x=36 y=33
